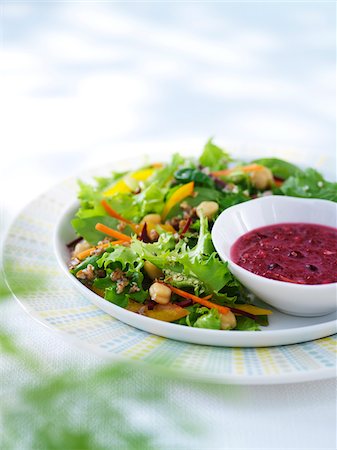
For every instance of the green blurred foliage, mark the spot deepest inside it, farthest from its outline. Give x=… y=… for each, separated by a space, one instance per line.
x=79 y=409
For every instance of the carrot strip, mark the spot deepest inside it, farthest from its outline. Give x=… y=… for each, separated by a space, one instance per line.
x=113 y=213
x=249 y=168
x=110 y=232
x=203 y=301
x=85 y=253
x=278 y=182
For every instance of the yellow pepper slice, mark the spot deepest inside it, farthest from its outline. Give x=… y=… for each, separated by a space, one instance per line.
x=167 y=227
x=184 y=191
x=167 y=313
x=129 y=182
x=142 y=175
x=98 y=291
x=255 y=310
x=120 y=186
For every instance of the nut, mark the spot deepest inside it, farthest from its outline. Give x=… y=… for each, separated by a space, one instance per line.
x=153 y=235
x=160 y=293
x=227 y=321
x=207 y=209
x=152 y=271
x=261 y=178
x=87 y=273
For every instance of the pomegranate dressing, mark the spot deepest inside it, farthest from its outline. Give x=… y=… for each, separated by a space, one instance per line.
x=299 y=253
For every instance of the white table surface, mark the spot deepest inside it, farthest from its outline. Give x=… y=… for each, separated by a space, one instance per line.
x=85 y=83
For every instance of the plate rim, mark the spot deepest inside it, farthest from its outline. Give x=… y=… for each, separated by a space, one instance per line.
x=183 y=373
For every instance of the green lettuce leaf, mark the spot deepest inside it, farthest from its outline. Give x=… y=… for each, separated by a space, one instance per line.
x=188 y=174
x=214 y=157
x=310 y=184
x=125 y=259
x=123 y=255
x=280 y=168
x=210 y=320
x=244 y=323
x=86 y=227
x=163 y=176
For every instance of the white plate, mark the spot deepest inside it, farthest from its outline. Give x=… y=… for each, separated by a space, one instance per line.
x=60 y=306
x=283 y=329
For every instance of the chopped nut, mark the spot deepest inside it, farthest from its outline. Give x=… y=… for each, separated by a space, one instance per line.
x=153 y=235
x=134 y=288
x=182 y=223
x=121 y=285
x=175 y=222
x=100 y=273
x=185 y=205
x=117 y=274
x=87 y=273
x=121 y=226
x=106 y=240
x=73 y=263
x=97 y=251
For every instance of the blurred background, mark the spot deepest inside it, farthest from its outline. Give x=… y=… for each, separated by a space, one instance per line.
x=85 y=83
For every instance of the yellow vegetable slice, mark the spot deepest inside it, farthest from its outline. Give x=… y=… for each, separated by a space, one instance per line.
x=142 y=175
x=167 y=313
x=184 y=191
x=120 y=186
x=129 y=183
x=255 y=310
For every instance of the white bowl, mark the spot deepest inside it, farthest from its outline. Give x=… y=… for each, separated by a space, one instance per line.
x=290 y=298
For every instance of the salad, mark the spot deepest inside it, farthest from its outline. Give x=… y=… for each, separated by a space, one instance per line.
x=144 y=236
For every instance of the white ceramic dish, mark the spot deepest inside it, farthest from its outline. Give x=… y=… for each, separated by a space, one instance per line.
x=290 y=298
x=282 y=330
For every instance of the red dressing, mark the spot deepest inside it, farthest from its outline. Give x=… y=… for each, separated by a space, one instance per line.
x=299 y=253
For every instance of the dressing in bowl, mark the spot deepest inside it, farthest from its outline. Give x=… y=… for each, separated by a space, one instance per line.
x=283 y=249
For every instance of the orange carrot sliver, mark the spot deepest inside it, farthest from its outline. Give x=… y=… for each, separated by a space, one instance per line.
x=249 y=168
x=203 y=301
x=278 y=182
x=110 y=232
x=113 y=213
x=85 y=253
x=223 y=173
